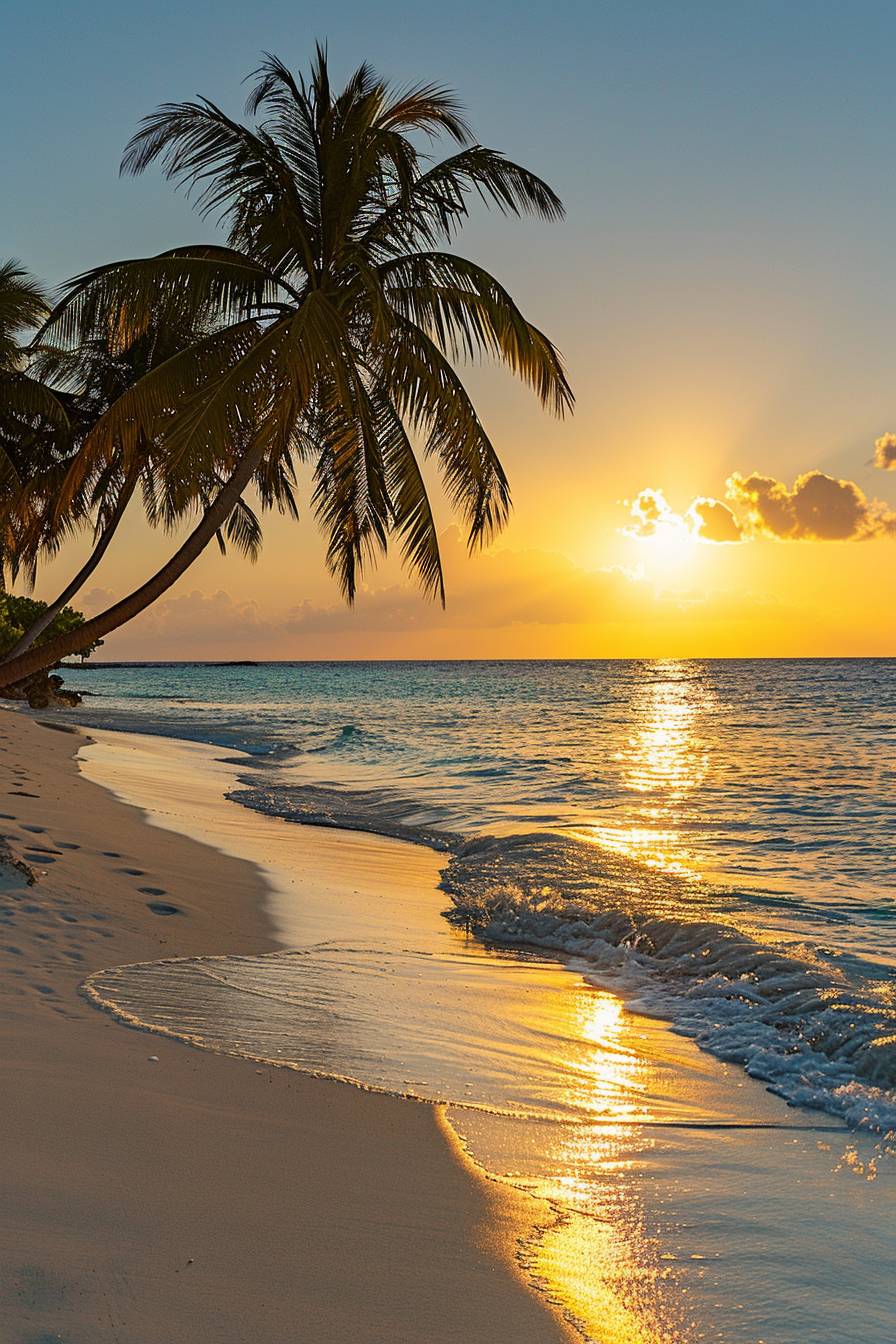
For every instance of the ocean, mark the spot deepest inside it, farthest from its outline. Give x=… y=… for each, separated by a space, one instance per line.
x=717 y=837
x=657 y=985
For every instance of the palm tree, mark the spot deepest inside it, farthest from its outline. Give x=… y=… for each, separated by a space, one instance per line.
x=61 y=496
x=23 y=307
x=335 y=317
x=30 y=414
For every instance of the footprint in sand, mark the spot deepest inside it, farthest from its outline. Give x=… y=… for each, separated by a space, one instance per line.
x=20 y=793
x=152 y=891
x=36 y=830
x=7 y=816
x=163 y=908
x=67 y=844
x=111 y=854
x=38 y=857
x=133 y=872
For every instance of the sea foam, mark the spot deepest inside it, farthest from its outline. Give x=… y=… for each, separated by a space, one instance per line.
x=818 y=1029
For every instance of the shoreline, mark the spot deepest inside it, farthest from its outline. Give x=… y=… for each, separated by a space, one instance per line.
x=156 y=1198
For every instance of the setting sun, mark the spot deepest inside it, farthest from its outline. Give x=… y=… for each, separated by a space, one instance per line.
x=668 y=551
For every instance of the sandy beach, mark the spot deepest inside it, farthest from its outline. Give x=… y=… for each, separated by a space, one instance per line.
x=194 y=1196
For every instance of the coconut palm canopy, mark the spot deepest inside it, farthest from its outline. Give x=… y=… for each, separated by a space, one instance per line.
x=332 y=319
x=337 y=314
x=26 y=406
x=55 y=494
x=79 y=485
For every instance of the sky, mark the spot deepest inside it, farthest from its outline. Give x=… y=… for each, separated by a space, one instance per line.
x=722 y=290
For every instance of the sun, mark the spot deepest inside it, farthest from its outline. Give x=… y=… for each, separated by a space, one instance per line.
x=671 y=548
x=666 y=542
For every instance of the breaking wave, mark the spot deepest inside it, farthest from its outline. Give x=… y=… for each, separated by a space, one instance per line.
x=819 y=1028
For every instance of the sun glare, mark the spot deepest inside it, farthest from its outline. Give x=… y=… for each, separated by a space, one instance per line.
x=670 y=549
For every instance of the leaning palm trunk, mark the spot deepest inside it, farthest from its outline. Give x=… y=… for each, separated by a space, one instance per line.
x=47 y=617
x=73 y=641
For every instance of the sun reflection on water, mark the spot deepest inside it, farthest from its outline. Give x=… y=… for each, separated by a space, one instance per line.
x=663 y=761
x=598 y=1262
x=664 y=753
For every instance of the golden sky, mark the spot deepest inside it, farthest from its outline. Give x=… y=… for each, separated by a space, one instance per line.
x=721 y=289
x=633 y=566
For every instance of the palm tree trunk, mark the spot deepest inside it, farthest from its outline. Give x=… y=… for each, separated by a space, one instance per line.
x=48 y=617
x=73 y=641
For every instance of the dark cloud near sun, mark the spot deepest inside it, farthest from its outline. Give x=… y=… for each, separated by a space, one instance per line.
x=711 y=520
x=816 y=508
x=706 y=519
x=885 y=452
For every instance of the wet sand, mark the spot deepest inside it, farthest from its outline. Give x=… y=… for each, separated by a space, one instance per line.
x=196 y=1197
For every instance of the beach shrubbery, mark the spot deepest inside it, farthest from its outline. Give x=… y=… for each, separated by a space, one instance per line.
x=17 y=614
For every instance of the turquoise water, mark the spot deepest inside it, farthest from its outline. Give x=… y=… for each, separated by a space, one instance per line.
x=712 y=839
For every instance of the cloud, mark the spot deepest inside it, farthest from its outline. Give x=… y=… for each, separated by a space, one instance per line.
x=650 y=511
x=885 y=452
x=186 y=621
x=706 y=519
x=500 y=589
x=711 y=520
x=94 y=601
x=817 y=508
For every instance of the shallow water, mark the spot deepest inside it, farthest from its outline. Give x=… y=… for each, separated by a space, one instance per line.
x=695 y=1205
x=713 y=839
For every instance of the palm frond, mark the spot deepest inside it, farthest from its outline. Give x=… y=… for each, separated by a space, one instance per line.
x=412 y=515
x=435 y=206
x=431 y=397
x=186 y=288
x=27 y=401
x=429 y=108
x=23 y=306
x=243 y=531
x=469 y=313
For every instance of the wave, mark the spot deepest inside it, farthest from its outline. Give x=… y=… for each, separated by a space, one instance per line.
x=373 y=810
x=347 y=738
x=818 y=1029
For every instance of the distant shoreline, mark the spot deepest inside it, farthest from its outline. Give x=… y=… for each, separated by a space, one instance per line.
x=94 y=665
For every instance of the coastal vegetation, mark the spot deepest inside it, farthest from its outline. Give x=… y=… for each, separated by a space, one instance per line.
x=326 y=329
x=18 y=614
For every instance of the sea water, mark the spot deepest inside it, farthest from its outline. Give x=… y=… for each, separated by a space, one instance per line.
x=706 y=845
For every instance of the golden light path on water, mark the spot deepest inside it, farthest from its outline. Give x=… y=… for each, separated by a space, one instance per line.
x=591 y=1259
x=664 y=759
x=597 y=1262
